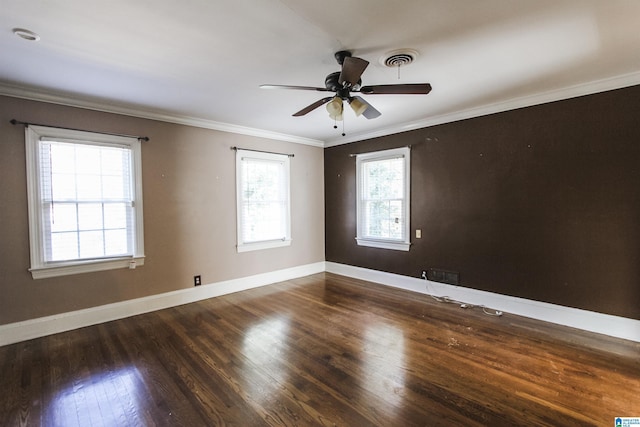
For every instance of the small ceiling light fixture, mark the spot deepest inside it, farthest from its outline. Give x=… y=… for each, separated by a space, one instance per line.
x=26 y=34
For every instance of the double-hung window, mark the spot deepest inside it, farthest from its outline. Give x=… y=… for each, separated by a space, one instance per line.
x=85 y=201
x=263 y=205
x=383 y=199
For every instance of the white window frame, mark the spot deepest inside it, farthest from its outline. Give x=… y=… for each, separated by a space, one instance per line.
x=40 y=268
x=396 y=244
x=242 y=245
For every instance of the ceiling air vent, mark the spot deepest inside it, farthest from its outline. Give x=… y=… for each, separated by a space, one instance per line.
x=399 y=58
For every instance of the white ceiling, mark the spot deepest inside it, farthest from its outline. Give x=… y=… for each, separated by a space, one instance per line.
x=201 y=61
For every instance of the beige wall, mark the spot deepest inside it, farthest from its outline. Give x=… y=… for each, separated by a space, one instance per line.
x=189 y=212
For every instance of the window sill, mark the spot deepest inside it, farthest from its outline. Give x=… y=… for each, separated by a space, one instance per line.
x=247 y=247
x=384 y=244
x=67 y=269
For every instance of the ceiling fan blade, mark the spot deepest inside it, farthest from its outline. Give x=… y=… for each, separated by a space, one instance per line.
x=313 y=106
x=370 y=112
x=402 y=89
x=318 y=89
x=352 y=69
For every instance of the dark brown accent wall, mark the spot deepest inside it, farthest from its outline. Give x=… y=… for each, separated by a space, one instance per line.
x=541 y=203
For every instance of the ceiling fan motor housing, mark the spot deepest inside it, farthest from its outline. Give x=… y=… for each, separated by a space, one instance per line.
x=331 y=83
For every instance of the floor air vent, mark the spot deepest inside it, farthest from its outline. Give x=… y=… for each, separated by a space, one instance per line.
x=443 y=276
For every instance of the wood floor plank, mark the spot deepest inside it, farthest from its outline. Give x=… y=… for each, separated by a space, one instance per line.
x=323 y=350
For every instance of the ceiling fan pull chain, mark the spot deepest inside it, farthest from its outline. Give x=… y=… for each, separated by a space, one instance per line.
x=343 y=120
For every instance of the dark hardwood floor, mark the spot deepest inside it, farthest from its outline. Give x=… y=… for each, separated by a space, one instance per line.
x=321 y=350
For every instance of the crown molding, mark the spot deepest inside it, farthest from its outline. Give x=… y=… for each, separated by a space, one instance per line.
x=617 y=82
x=603 y=85
x=42 y=96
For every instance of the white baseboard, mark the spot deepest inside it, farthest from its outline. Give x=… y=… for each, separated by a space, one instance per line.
x=34 y=328
x=614 y=326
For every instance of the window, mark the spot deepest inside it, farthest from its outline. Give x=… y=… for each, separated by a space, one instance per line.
x=85 y=201
x=383 y=199
x=264 y=219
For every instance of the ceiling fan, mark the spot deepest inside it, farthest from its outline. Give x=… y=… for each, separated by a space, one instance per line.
x=346 y=81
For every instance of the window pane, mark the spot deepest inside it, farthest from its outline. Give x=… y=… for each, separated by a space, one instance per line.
x=61 y=187
x=115 y=174
x=384 y=219
x=383 y=179
x=63 y=217
x=91 y=244
x=264 y=221
x=396 y=219
x=89 y=187
x=63 y=158
x=64 y=246
x=88 y=159
x=90 y=216
x=113 y=161
x=115 y=215
x=264 y=181
x=113 y=187
x=115 y=242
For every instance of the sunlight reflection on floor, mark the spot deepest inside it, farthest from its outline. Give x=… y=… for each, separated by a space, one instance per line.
x=110 y=399
x=384 y=360
x=263 y=346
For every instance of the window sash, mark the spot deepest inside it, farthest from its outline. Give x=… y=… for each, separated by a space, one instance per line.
x=383 y=199
x=113 y=237
x=87 y=173
x=263 y=200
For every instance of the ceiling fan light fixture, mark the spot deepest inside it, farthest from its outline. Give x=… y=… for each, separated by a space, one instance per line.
x=357 y=106
x=334 y=108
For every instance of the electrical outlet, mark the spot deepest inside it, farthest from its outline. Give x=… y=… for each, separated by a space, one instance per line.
x=197 y=281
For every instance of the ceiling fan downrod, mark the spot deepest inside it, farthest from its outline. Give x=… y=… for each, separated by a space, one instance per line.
x=340 y=55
